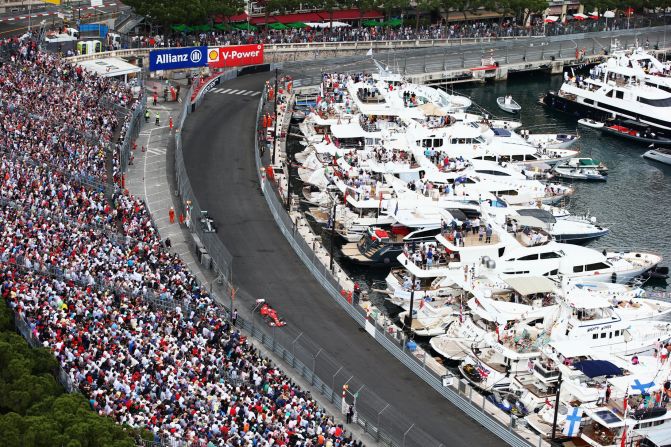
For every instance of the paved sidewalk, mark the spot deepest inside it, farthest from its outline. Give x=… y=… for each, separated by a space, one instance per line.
x=151 y=177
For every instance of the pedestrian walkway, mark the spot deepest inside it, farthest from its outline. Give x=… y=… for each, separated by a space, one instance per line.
x=149 y=177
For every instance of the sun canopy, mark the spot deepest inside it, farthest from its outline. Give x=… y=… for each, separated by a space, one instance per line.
x=538 y=213
x=579 y=16
x=432 y=110
x=551 y=19
x=659 y=436
x=609 y=14
x=526 y=285
x=597 y=368
x=528 y=221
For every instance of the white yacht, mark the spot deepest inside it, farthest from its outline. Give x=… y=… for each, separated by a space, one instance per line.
x=615 y=91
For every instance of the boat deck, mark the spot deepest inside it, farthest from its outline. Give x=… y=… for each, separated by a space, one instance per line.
x=473 y=240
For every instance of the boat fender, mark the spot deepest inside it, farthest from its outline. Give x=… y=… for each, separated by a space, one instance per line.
x=613 y=277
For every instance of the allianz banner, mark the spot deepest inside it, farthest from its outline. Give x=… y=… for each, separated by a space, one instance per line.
x=235 y=55
x=174 y=58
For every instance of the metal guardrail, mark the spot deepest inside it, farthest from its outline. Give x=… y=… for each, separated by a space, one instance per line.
x=221 y=258
x=132 y=132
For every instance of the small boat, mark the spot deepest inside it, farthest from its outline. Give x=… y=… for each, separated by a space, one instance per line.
x=585 y=162
x=509 y=403
x=661 y=155
x=588 y=122
x=578 y=173
x=641 y=136
x=508 y=104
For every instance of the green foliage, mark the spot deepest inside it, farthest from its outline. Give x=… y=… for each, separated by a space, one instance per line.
x=167 y=12
x=34 y=410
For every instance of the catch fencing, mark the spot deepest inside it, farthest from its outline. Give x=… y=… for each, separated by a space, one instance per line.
x=222 y=260
x=132 y=131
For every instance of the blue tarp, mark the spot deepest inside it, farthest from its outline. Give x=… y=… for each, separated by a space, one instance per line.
x=596 y=368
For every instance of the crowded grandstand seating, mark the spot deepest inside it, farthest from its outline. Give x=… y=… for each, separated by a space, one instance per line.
x=84 y=265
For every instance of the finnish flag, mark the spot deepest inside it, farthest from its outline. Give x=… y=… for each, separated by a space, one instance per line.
x=572 y=424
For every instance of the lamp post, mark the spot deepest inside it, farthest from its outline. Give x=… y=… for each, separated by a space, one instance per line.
x=276 y=119
x=333 y=227
x=408 y=326
x=554 y=420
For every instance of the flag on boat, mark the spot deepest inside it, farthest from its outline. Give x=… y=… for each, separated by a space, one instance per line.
x=370 y=52
x=623 y=441
x=572 y=424
x=484 y=372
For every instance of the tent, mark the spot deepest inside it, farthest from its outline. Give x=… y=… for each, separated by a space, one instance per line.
x=277 y=26
x=597 y=368
x=579 y=16
x=609 y=14
x=246 y=27
x=371 y=23
x=297 y=25
x=551 y=19
x=181 y=28
x=393 y=22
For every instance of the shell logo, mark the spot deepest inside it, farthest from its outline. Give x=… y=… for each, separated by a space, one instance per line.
x=213 y=55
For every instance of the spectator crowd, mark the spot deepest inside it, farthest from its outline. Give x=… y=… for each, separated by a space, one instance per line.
x=81 y=262
x=508 y=27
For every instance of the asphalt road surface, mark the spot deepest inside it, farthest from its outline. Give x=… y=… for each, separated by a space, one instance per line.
x=219 y=155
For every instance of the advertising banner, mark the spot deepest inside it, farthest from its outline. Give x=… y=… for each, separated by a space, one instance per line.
x=235 y=56
x=175 y=58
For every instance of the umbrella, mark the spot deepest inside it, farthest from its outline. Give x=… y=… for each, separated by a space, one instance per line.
x=394 y=22
x=202 y=28
x=609 y=14
x=629 y=11
x=579 y=16
x=180 y=28
x=371 y=23
x=276 y=25
x=297 y=25
x=223 y=26
x=594 y=15
x=246 y=27
x=550 y=19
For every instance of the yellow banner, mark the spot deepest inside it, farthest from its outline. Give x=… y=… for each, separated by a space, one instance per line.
x=53 y=2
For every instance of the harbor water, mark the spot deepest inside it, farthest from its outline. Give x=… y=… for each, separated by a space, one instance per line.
x=635 y=202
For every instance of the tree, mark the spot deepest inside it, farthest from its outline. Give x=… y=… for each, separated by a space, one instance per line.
x=35 y=412
x=425 y=6
x=172 y=12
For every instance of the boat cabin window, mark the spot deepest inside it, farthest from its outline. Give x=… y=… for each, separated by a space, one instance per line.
x=595 y=266
x=511 y=192
x=603 y=335
x=550 y=255
x=665 y=102
x=517 y=273
x=464 y=141
x=589 y=101
x=619 y=94
x=578 y=268
x=491 y=172
x=533 y=257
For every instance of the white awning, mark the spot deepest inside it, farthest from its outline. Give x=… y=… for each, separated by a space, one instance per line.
x=526 y=285
x=529 y=221
x=109 y=67
x=347 y=131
